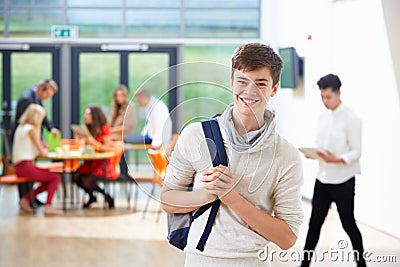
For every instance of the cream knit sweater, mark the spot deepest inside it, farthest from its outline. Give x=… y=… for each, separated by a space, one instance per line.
x=268 y=174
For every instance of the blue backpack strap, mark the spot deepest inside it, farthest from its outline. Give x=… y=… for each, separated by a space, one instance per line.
x=212 y=133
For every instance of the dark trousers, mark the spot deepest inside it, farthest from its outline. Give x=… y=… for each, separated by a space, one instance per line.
x=138 y=139
x=123 y=166
x=132 y=139
x=343 y=196
x=24 y=189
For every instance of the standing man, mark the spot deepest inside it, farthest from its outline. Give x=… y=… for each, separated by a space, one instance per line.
x=35 y=95
x=339 y=137
x=259 y=189
x=158 y=128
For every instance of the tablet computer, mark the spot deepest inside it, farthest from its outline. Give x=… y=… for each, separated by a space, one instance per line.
x=78 y=129
x=310 y=152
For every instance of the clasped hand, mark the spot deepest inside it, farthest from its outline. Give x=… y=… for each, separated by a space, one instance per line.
x=220 y=182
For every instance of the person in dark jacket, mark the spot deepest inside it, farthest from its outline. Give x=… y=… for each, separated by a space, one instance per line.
x=34 y=95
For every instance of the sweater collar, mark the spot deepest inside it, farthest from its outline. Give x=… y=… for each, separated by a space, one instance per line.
x=258 y=139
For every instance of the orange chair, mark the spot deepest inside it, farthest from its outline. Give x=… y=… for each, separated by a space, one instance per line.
x=159 y=159
x=11 y=179
x=118 y=149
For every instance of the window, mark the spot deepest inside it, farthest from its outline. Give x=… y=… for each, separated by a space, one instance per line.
x=133 y=18
x=32 y=22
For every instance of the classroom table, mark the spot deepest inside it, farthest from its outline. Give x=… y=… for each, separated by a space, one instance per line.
x=74 y=155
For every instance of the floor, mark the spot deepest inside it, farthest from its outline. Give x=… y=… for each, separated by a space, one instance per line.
x=100 y=237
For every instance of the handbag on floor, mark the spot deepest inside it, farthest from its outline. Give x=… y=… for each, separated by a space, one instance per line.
x=179 y=223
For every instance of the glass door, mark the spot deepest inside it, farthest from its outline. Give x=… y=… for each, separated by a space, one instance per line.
x=27 y=69
x=99 y=75
x=21 y=70
x=148 y=71
x=96 y=73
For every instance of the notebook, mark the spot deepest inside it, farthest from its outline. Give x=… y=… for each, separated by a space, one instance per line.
x=53 y=141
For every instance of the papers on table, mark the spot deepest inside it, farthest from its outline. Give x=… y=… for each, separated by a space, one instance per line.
x=63 y=154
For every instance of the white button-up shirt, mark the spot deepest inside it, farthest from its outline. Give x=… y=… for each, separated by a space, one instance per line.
x=159 y=123
x=339 y=131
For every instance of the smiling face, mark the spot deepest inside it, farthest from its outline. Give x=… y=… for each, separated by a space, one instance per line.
x=251 y=92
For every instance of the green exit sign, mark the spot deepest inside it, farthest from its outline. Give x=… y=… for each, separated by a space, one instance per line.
x=64 y=31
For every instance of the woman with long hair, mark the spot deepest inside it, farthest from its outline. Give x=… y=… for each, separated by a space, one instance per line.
x=99 y=137
x=26 y=147
x=123 y=116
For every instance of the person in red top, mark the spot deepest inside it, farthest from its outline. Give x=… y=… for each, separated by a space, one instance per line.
x=99 y=137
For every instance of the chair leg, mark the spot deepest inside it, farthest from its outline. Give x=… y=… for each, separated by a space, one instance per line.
x=64 y=186
x=148 y=200
x=72 y=192
x=128 y=193
x=136 y=196
x=159 y=213
x=106 y=189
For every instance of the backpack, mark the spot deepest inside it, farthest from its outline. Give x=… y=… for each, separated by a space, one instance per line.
x=179 y=223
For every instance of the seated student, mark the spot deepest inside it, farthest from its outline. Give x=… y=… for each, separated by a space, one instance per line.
x=158 y=128
x=26 y=147
x=122 y=121
x=98 y=136
x=34 y=95
x=123 y=116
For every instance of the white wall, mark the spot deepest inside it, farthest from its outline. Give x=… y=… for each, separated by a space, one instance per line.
x=349 y=39
x=391 y=11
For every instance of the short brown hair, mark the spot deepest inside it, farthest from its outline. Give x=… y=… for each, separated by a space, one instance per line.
x=48 y=84
x=253 y=56
x=141 y=92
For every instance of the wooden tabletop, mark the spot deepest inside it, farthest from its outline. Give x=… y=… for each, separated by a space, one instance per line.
x=136 y=146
